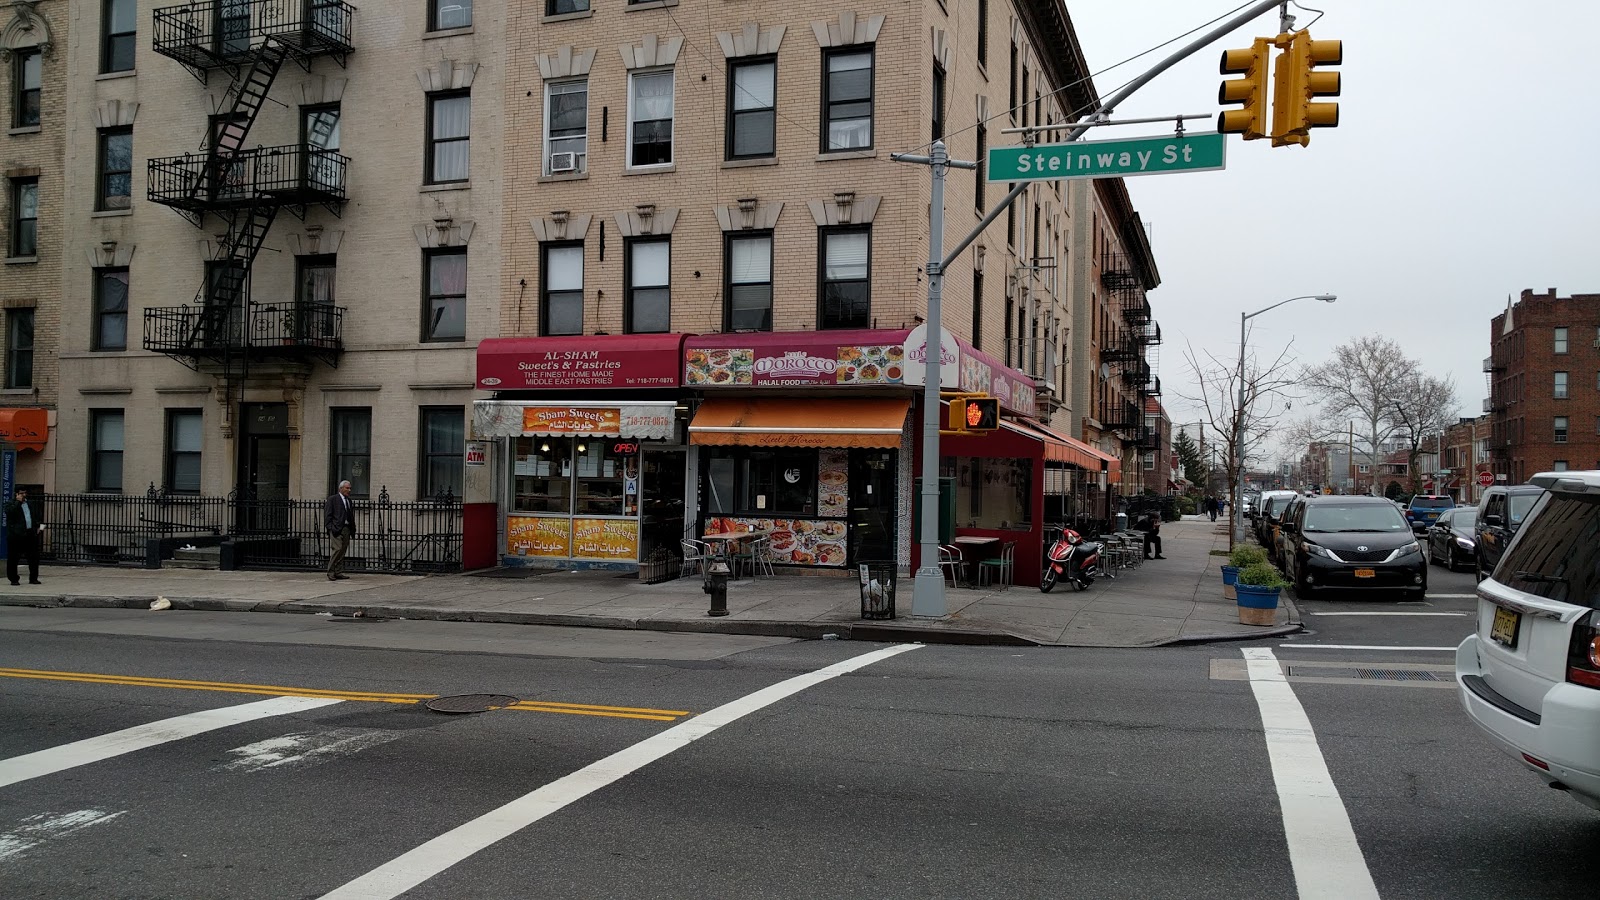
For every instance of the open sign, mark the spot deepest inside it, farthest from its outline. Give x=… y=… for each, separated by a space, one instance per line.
x=625 y=448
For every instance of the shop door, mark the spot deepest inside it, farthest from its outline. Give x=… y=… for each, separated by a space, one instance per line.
x=872 y=505
x=264 y=468
x=662 y=524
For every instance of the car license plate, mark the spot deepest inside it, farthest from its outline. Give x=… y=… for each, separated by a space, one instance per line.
x=1366 y=573
x=1504 y=628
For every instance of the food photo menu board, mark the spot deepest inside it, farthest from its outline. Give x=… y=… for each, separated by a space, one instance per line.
x=795 y=542
x=833 y=476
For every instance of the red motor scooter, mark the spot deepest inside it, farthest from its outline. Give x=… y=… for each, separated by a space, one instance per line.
x=1073 y=558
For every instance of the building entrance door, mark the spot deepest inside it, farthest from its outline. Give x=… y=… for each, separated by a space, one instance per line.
x=662 y=524
x=264 y=467
x=873 y=502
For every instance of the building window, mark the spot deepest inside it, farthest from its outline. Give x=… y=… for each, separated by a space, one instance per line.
x=105 y=450
x=748 y=262
x=110 y=309
x=116 y=168
x=351 y=452
x=1561 y=385
x=319 y=134
x=1561 y=429
x=561 y=290
x=1007 y=337
x=443 y=445
x=566 y=127
x=847 y=100
x=648 y=277
x=449 y=136
x=446 y=304
x=1561 y=340
x=1149 y=462
x=1011 y=91
x=649 y=119
x=563 y=7
x=980 y=187
x=1559 y=465
x=444 y=15
x=182 y=468
x=938 y=102
x=28 y=79
x=314 y=297
x=118 y=22
x=845 y=278
x=752 y=109
x=983 y=33
x=24 y=217
x=19 y=348
x=1011 y=218
x=977 y=309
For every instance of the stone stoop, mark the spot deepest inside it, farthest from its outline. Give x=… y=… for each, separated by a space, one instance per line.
x=202 y=558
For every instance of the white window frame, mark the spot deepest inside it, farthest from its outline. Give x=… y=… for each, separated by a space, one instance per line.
x=1561 y=387
x=583 y=156
x=672 y=151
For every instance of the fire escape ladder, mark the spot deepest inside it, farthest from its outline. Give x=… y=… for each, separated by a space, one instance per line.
x=222 y=297
x=248 y=96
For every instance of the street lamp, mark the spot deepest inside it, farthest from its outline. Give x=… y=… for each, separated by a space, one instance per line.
x=1238 y=414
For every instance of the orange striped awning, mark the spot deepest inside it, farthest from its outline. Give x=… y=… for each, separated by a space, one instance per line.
x=786 y=422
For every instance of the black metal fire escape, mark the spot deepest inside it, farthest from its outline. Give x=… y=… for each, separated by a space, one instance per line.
x=1127 y=344
x=246 y=187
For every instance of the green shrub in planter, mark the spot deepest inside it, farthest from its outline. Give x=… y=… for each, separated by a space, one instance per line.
x=1246 y=555
x=1262 y=574
x=1186 y=506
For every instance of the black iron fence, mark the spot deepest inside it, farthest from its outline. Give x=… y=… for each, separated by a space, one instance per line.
x=252 y=532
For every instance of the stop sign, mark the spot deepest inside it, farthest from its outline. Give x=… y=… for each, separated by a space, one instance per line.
x=1485 y=479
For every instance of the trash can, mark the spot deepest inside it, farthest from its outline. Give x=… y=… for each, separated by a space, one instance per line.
x=877 y=589
x=1122 y=521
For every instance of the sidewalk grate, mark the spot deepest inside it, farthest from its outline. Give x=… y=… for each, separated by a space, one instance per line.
x=1362 y=673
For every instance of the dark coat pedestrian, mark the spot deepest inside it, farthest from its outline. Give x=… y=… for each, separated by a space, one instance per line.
x=339 y=518
x=24 y=533
x=1150 y=524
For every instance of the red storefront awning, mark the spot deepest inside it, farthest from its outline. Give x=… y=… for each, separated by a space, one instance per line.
x=27 y=427
x=580 y=362
x=1062 y=448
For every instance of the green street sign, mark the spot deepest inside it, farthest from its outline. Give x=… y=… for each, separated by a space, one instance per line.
x=1108 y=159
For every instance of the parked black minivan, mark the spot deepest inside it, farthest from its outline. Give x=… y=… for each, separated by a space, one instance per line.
x=1355 y=544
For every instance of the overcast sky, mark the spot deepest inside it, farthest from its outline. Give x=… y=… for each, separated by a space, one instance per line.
x=1466 y=166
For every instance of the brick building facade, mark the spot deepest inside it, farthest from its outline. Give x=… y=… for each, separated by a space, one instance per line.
x=1544 y=385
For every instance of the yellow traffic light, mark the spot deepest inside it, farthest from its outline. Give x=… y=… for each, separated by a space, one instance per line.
x=1296 y=82
x=1250 y=90
x=974 y=414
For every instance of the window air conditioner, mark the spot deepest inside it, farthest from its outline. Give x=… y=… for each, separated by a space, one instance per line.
x=453 y=16
x=563 y=162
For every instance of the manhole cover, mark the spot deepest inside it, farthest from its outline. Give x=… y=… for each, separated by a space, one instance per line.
x=470 y=703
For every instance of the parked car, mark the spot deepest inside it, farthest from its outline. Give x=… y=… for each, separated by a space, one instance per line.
x=1451 y=540
x=1355 y=543
x=1500 y=514
x=1529 y=677
x=1424 y=509
x=1283 y=532
x=1271 y=507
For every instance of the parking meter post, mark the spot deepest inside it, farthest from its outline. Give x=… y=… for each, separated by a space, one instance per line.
x=717 y=586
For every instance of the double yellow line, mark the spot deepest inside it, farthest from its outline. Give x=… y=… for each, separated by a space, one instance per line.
x=274 y=690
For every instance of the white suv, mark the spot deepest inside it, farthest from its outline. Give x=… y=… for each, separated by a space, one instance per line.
x=1530 y=676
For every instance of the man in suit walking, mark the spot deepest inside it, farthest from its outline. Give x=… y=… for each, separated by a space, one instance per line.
x=23 y=529
x=339 y=517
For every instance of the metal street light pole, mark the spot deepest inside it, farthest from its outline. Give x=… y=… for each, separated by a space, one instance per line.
x=1237 y=518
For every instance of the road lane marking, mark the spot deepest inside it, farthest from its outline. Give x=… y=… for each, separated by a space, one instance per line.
x=140 y=737
x=412 y=868
x=35 y=830
x=1393 y=614
x=1323 y=851
x=276 y=690
x=1363 y=647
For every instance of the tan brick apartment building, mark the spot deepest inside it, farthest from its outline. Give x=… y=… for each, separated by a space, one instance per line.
x=298 y=223
x=1544 y=385
x=33 y=57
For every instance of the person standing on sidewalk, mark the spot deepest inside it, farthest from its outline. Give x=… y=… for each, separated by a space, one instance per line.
x=1211 y=506
x=23 y=530
x=1151 y=526
x=340 y=519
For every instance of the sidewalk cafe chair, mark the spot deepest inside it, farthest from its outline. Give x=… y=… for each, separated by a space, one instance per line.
x=760 y=558
x=695 y=555
x=952 y=564
x=1000 y=565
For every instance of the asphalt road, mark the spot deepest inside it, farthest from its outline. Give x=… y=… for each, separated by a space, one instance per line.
x=746 y=767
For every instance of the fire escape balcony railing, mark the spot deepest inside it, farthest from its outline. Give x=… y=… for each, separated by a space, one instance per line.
x=1136 y=310
x=1151 y=334
x=1118 y=347
x=223 y=34
x=1116 y=272
x=263 y=329
x=1122 y=416
x=1147 y=439
x=1490 y=365
x=1152 y=388
x=291 y=175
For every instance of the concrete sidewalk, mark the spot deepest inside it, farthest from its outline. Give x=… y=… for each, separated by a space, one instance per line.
x=1175 y=600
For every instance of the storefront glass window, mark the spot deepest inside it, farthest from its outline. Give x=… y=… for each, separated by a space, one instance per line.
x=762 y=482
x=600 y=474
x=719 y=485
x=993 y=493
x=574 y=476
x=543 y=474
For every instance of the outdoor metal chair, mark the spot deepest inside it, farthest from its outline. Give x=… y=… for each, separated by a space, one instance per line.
x=1000 y=565
x=695 y=555
x=952 y=564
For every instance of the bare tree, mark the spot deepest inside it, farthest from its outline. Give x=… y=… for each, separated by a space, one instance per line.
x=1423 y=408
x=1300 y=437
x=1268 y=391
x=1364 y=381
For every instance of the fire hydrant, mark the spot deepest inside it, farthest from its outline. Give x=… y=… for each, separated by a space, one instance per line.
x=717 y=586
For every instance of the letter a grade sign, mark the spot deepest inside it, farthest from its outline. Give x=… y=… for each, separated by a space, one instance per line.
x=1108 y=159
